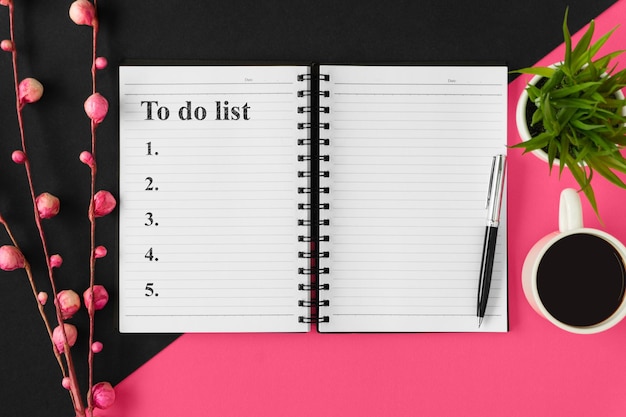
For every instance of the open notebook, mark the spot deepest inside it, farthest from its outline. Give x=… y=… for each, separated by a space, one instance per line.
x=266 y=198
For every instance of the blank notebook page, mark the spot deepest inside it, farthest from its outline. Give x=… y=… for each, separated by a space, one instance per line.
x=209 y=199
x=410 y=156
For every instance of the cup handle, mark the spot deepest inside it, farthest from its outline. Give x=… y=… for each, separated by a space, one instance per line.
x=570 y=211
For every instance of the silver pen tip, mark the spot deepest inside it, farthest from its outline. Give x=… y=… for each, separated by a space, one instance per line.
x=480 y=321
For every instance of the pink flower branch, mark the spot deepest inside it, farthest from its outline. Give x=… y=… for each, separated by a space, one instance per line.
x=46 y=206
x=83 y=12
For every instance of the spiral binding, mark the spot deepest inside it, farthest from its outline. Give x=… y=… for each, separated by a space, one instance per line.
x=313 y=301
x=324 y=190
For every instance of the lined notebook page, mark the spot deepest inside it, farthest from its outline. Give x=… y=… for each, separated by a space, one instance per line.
x=209 y=199
x=410 y=157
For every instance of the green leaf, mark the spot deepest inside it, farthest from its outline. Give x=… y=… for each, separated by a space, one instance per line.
x=553 y=149
x=579 y=56
x=565 y=149
x=575 y=103
x=584 y=126
x=568 y=91
x=615 y=162
x=568 y=40
x=601 y=169
x=593 y=50
x=583 y=181
x=537 y=117
x=542 y=71
x=538 y=142
x=549 y=118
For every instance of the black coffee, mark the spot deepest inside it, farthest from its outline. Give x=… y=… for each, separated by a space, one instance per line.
x=581 y=280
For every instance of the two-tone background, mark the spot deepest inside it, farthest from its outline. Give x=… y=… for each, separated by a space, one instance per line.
x=534 y=369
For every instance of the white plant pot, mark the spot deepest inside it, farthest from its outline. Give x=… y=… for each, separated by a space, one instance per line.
x=522 y=126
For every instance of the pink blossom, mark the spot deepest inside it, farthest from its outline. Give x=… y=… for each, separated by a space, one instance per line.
x=66 y=383
x=96 y=107
x=11 y=258
x=6 y=2
x=83 y=12
x=101 y=63
x=7 y=45
x=47 y=205
x=68 y=302
x=42 y=297
x=100 y=252
x=103 y=395
x=96 y=347
x=104 y=203
x=56 y=261
x=87 y=158
x=30 y=90
x=59 y=341
x=18 y=157
x=100 y=296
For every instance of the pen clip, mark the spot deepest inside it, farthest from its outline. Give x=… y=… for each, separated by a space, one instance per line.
x=496 y=187
x=493 y=171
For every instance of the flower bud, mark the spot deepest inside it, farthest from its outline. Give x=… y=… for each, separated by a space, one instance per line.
x=103 y=395
x=66 y=383
x=100 y=252
x=56 y=261
x=83 y=12
x=100 y=297
x=96 y=347
x=104 y=203
x=47 y=205
x=18 y=157
x=59 y=341
x=7 y=45
x=101 y=63
x=87 y=158
x=68 y=302
x=96 y=107
x=11 y=258
x=42 y=297
x=29 y=91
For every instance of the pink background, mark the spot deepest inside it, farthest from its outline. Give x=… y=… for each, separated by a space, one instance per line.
x=534 y=370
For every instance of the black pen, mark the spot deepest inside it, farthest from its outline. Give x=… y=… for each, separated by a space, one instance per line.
x=494 y=203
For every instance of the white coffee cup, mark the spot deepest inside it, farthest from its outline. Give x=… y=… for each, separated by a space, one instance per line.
x=575 y=277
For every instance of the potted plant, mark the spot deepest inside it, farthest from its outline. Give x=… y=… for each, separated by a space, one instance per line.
x=574 y=113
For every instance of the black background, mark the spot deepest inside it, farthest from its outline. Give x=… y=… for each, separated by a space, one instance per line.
x=57 y=52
